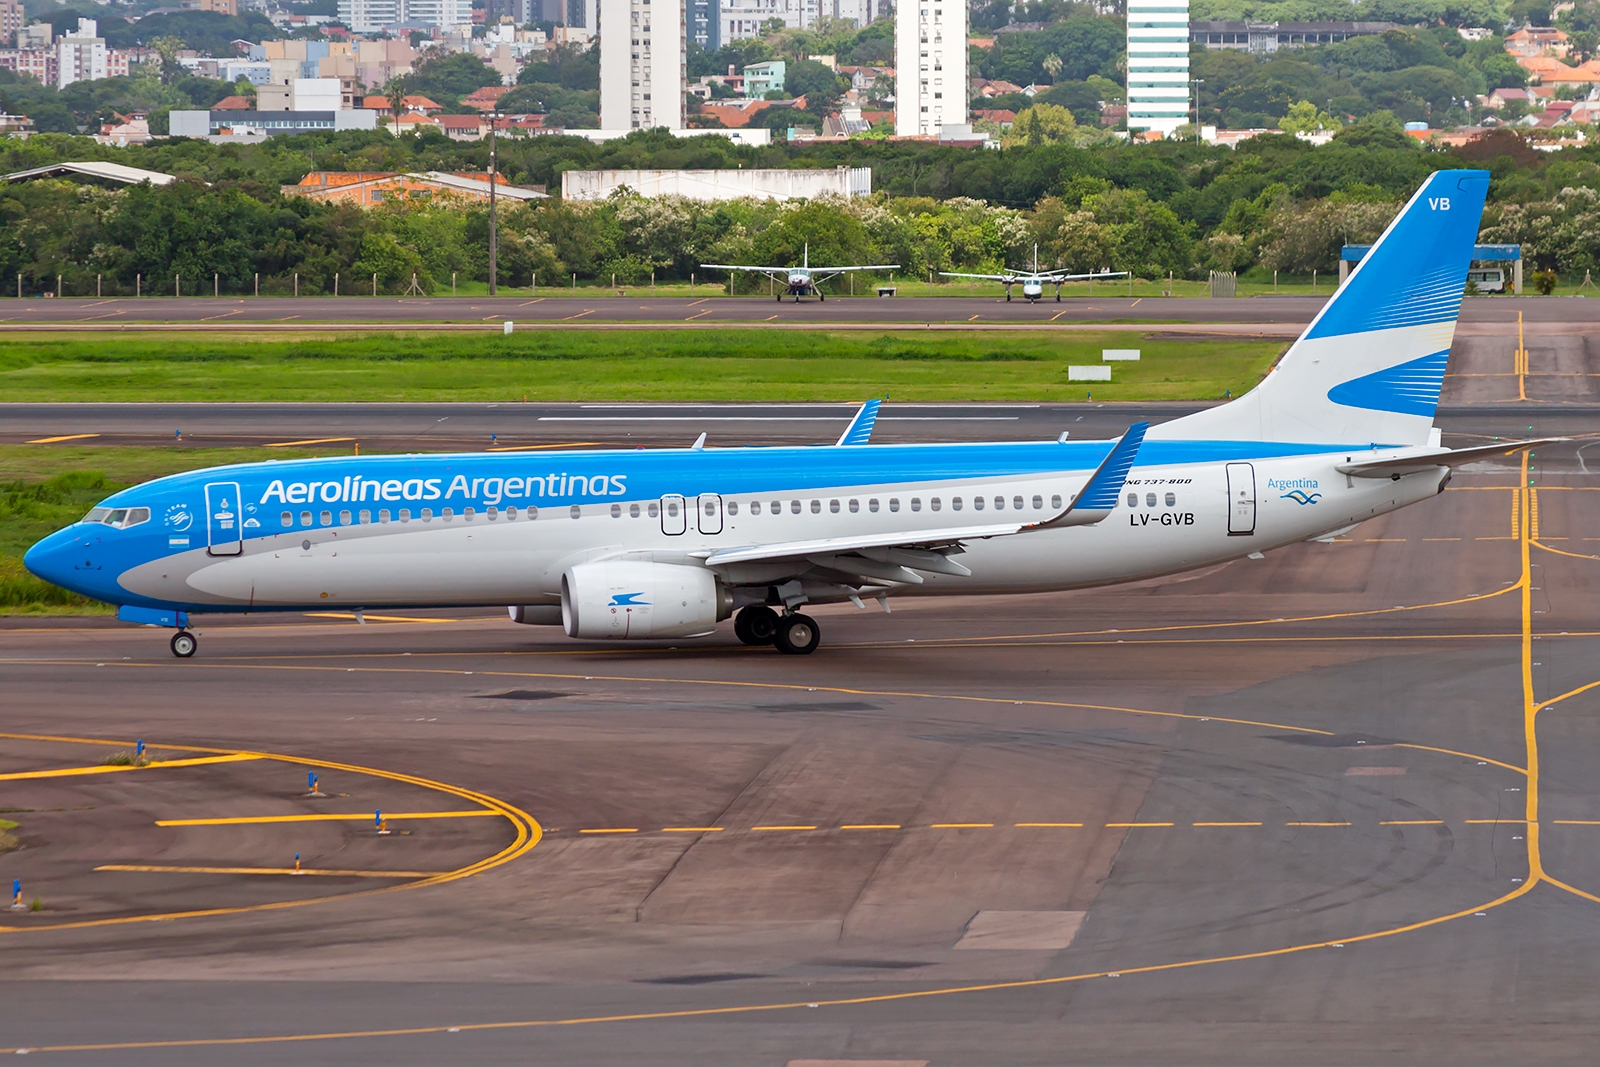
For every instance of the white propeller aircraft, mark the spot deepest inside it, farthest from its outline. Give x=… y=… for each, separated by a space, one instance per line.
x=1033 y=281
x=802 y=280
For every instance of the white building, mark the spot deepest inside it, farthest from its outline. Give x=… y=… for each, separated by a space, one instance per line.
x=641 y=64
x=744 y=18
x=369 y=16
x=442 y=13
x=82 y=56
x=930 y=51
x=754 y=183
x=1158 y=64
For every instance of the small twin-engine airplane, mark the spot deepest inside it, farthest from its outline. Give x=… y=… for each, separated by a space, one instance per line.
x=802 y=280
x=667 y=543
x=1033 y=281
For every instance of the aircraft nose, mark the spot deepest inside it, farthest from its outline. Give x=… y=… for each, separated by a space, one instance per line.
x=53 y=557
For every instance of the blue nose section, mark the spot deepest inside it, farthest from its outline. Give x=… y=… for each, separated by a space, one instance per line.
x=71 y=559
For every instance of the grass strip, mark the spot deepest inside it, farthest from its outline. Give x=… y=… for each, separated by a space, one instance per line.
x=645 y=365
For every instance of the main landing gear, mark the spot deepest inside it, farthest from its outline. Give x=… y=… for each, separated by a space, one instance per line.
x=793 y=634
x=184 y=644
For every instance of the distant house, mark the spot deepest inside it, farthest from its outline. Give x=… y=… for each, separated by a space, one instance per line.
x=234 y=103
x=763 y=78
x=1536 y=41
x=462 y=127
x=1113 y=114
x=486 y=98
x=369 y=188
x=1004 y=117
x=129 y=129
x=999 y=88
x=735 y=113
x=419 y=104
x=1501 y=97
x=413 y=122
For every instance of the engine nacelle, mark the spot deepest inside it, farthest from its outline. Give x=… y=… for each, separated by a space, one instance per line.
x=536 y=614
x=633 y=599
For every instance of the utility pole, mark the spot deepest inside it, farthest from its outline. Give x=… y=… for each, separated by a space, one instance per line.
x=494 y=120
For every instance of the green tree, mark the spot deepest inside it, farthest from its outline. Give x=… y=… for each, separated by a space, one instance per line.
x=1041 y=124
x=1303 y=117
x=809 y=78
x=454 y=75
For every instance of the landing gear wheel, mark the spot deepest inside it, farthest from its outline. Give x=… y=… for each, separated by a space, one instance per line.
x=1058 y=296
x=1008 y=296
x=184 y=644
x=798 y=635
x=821 y=296
x=756 y=625
x=780 y=298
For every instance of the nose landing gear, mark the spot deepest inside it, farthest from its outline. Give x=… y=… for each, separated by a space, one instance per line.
x=184 y=644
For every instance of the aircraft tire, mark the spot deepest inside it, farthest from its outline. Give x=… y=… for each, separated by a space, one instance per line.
x=821 y=296
x=756 y=625
x=184 y=644
x=798 y=635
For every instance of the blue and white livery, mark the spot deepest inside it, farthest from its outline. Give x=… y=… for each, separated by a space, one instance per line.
x=668 y=543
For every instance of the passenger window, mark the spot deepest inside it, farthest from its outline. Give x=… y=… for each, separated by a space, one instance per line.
x=493 y=513
x=977 y=503
x=366 y=516
x=327 y=518
x=711 y=507
x=999 y=503
x=872 y=505
x=1172 y=500
x=1133 y=500
x=855 y=506
x=894 y=503
x=654 y=509
x=467 y=513
x=305 y=518
x=427 y=514
x=755 y=507
x=733 y=508
x=776 y=507
x=916 y=503
x=816 y=507
x=955 y=503
x=1016 y=502
x=616 y=511
x=1055 y=501
x=344 y=518
x=833 y=506
x=533 y=512
x=1038 y=502
x=287 y=518
x=405 y=514
x=1149 y=500
x=511 y=513
x=633 y=511
x=383 y=515
x=933 y=505
x=577 y=511
x=672 y=509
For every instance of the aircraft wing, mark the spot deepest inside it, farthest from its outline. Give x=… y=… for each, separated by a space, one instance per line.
x=1395 y=466
x=1057 y=276
x=983 y=277
x=781 y=273
x=830 y=271
x=896 y=556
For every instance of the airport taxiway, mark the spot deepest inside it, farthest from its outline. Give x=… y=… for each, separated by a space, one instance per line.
x=1329 y=806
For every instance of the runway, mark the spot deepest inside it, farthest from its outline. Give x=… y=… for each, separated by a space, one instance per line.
x=1268 y=315
x=1329 y=806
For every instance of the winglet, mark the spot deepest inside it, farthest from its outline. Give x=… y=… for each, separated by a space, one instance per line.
x=860 y=429
x=1099 y=494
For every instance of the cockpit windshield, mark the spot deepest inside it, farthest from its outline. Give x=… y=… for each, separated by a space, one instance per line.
x=120 y=518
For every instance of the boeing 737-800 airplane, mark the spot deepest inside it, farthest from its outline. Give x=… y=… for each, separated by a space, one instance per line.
x=668 y=543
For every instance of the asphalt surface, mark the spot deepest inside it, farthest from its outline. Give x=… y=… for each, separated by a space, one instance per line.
x=1249 y=315
x=1271 y=812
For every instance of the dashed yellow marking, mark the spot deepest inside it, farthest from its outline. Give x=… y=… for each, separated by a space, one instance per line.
x=1129 y=825
x=365 y=816
x=1226 y=824
x=313 y=871
x=1316 y=824
x=691 y=829
x=961 y=825
x=1413 y=822
x=783 y=827
x=312 y=441
x=1036 y=825
x=372 y=618
x=612 y=830
x=1495 y=822
x=73 y=772
x=64 y=437
x=871 y=826
x=1576 y=822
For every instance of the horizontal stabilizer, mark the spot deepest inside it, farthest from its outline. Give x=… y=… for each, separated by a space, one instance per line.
x=1394 y=466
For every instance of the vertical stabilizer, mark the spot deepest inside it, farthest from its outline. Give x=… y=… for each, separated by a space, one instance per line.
x=1369 y=368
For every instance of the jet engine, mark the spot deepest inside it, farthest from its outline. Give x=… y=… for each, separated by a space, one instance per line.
x=625 y=599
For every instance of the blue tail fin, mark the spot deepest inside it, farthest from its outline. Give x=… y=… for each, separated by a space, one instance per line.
x=1369 y=368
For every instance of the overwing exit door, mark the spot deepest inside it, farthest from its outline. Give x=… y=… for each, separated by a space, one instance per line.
x=1241 y=499
x=709 y=516
x=674 y=520
x=224 y=525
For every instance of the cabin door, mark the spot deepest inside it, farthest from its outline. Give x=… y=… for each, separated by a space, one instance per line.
x=224 y=524
x=710 y=513
x=674 y=519
x=1241 y=499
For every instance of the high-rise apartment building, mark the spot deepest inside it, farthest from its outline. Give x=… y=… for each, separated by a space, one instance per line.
x=641 y=64
x=441 y=13
x=702 y=23
x=930 y=51
x=81 y=55
x=369 y=16
x=1158 y=64
x=11 y=20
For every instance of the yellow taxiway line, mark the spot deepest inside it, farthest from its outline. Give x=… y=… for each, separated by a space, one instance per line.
x=153 y=765
x=137 y=868
x=365 y=816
